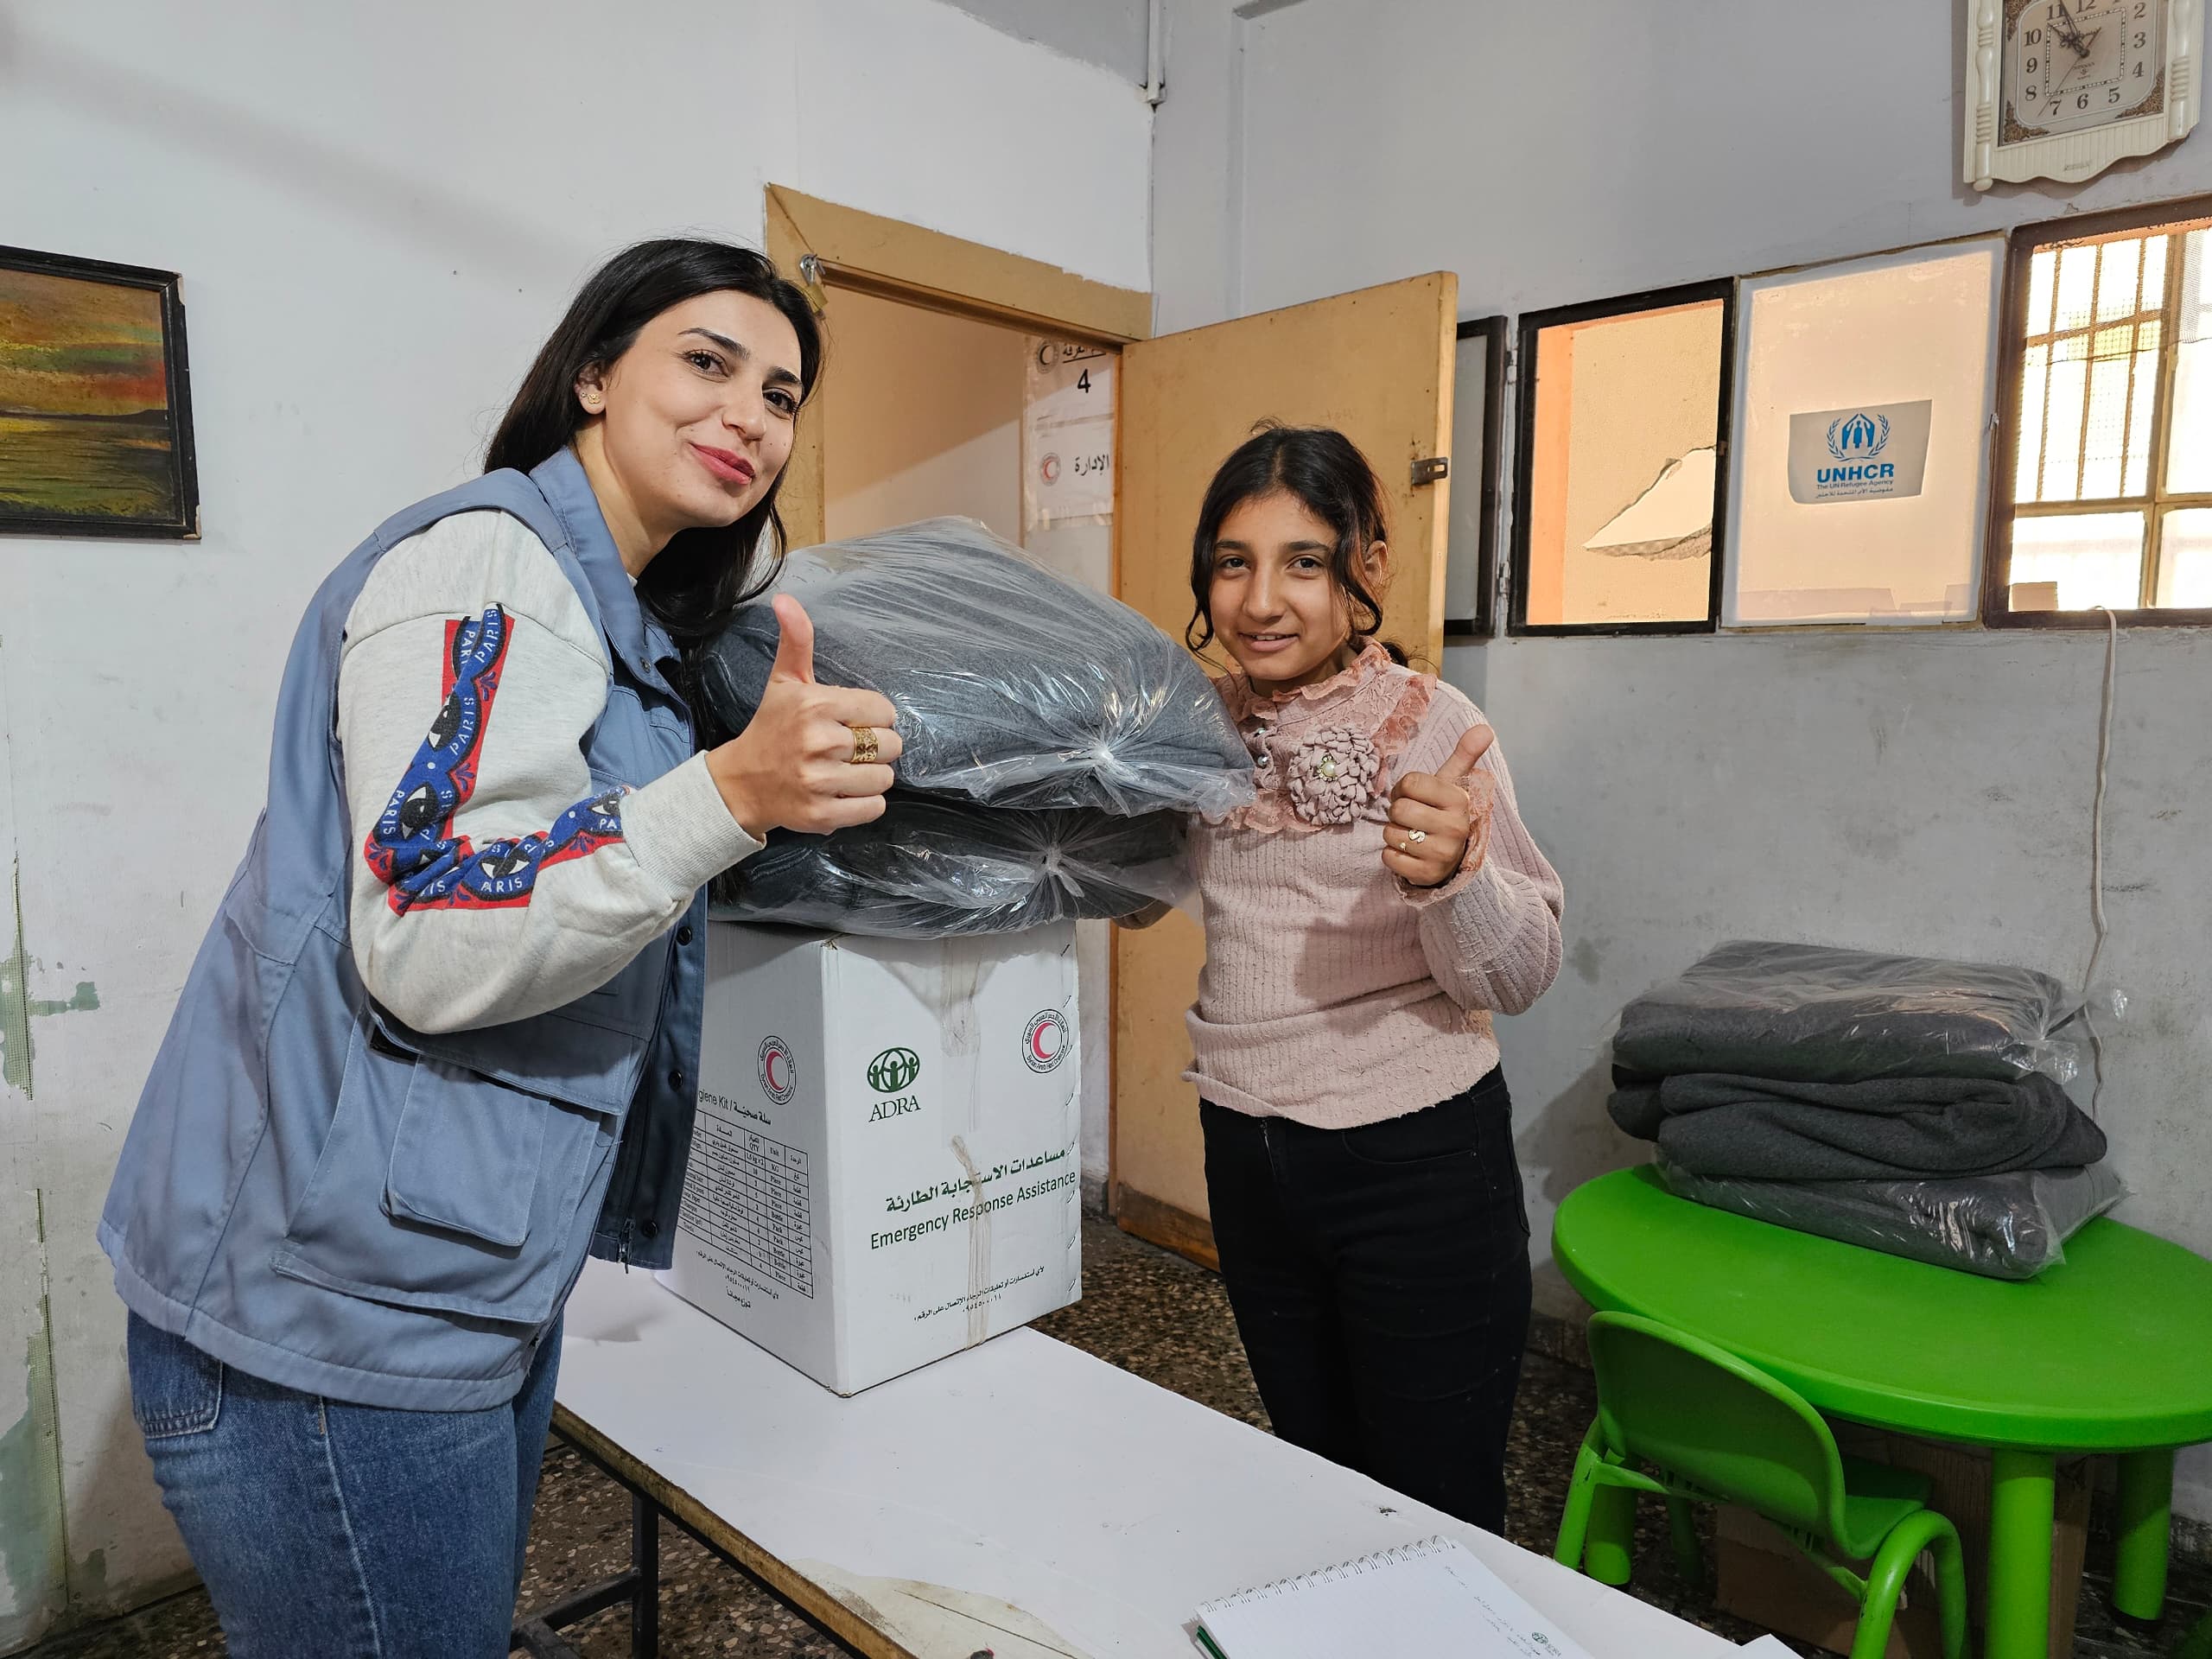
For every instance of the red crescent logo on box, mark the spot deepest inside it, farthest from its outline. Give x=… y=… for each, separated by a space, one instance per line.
x=779 y=1071
x=1045 y=1045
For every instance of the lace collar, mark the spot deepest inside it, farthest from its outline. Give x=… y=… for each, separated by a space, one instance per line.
x=1326 y=753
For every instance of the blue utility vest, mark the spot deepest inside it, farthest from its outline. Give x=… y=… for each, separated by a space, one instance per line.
x=326 y=1199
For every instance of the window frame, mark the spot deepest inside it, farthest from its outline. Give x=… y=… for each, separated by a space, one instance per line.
x=2022 y=245
x=1490 y=471
x=1997 y=244
x=1532 y=324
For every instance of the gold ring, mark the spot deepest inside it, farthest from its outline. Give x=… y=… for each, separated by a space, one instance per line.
x=864 y=746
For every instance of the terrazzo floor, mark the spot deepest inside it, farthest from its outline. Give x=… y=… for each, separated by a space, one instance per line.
x=1151 y=1313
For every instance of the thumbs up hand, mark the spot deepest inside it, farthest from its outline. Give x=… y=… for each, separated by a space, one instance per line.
x=794 y=642
x=813 y=757
x=1439 y=820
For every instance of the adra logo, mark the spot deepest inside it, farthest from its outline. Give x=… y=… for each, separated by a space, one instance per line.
x=892 y=1073
x=893 y=1070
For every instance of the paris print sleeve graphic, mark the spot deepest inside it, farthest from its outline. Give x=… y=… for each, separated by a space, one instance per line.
x=501 y=877
x=413 y=847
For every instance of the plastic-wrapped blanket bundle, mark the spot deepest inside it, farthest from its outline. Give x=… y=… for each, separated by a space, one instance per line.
x=1014 y=687
x=2010 y=1226
x=933 y=868
x=1904 y=1103
x=1894 y=1128
x=1812 y=1013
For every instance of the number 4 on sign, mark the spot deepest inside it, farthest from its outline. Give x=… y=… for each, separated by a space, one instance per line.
x=1083 y=381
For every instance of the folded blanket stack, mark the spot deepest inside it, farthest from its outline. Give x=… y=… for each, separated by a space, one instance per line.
x=1897 y=1102
x=1055 y=742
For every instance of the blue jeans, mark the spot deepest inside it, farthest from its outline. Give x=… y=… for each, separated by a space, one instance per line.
x=325 y=1530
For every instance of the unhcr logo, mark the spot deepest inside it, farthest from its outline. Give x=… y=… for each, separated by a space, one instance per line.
x=1855 y=440
x=1858 y=437
x=1863 y=452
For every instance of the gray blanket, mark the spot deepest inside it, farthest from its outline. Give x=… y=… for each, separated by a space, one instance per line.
x=1015 y=686
x=933 y=867
x=2009 y=1226
x=1811 y=1011
x=1893 y=1128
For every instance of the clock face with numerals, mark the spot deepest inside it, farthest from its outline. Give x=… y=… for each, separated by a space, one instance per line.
x=2070 y=65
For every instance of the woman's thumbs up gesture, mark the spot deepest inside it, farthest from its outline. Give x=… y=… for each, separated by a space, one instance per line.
x=1441 y=820
x=813 y=757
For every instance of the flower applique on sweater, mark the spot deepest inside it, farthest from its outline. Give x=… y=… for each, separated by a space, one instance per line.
x=1325 y=754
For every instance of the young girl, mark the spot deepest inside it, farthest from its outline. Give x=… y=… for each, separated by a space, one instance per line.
x=1365 y=917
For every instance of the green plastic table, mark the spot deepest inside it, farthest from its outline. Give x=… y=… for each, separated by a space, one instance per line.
x=2110 y=1352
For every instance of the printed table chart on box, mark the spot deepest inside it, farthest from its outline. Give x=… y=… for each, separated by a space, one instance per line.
x=750 y=1199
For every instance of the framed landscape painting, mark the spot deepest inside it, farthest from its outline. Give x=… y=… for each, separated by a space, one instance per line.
x=95 y=400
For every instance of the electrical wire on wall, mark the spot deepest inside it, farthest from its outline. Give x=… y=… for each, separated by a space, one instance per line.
x=2097 y=863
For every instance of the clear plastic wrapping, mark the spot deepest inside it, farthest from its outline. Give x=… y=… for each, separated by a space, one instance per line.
x=1814 y=1014
x=2008 y=1226
x=932 y=868
x=1015 y=686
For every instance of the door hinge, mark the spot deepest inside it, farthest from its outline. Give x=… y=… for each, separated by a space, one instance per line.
x=1430 y=468
x=809 y=279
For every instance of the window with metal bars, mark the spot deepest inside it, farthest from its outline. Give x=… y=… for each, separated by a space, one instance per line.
x=2104 y=480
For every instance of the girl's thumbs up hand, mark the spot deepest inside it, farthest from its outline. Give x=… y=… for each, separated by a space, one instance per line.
x=1440 y=821
x=813 y=757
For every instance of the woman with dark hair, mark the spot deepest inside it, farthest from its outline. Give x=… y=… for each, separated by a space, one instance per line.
x=442 y=1037
x=1365 y=917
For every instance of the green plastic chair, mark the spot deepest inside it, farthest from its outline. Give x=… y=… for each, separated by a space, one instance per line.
x=1711 y=1429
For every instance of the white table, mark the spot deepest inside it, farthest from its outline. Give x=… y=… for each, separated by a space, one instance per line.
x=1021 y=1496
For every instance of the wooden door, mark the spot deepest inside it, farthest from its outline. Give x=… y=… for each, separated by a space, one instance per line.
x=1377 y=365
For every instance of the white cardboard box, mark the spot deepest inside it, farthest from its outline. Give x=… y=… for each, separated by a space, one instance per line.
x=885 y=1168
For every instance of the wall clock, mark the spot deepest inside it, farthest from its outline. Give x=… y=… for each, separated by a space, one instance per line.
x=2062 y=89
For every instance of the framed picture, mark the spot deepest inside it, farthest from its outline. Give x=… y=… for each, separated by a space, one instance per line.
x=1618 y=462
x=95 y=400
x=1862 y=440
x=1471 y=547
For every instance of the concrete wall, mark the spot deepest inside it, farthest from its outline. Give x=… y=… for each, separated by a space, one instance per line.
x=378 y=214
x=1909 y=790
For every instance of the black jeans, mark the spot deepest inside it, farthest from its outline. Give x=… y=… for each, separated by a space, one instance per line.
x=1380 y=1279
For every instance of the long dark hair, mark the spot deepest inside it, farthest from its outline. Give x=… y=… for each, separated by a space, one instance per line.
x=696 y=581
x=1329 y=476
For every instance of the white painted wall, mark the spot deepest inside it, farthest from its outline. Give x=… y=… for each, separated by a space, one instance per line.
x=379 y=214
x=1921 y=793
x=1109 y=33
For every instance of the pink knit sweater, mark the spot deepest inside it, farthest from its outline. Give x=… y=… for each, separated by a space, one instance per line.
x=1334 y=993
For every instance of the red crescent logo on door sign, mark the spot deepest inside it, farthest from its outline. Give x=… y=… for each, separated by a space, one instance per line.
x=1045 y=1045
x=1050 y=468
x=779 y=1071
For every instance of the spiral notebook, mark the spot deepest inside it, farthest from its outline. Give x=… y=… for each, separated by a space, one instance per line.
x=1433 y=1599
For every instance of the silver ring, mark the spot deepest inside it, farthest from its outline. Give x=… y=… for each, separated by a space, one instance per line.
x=1416 y=837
